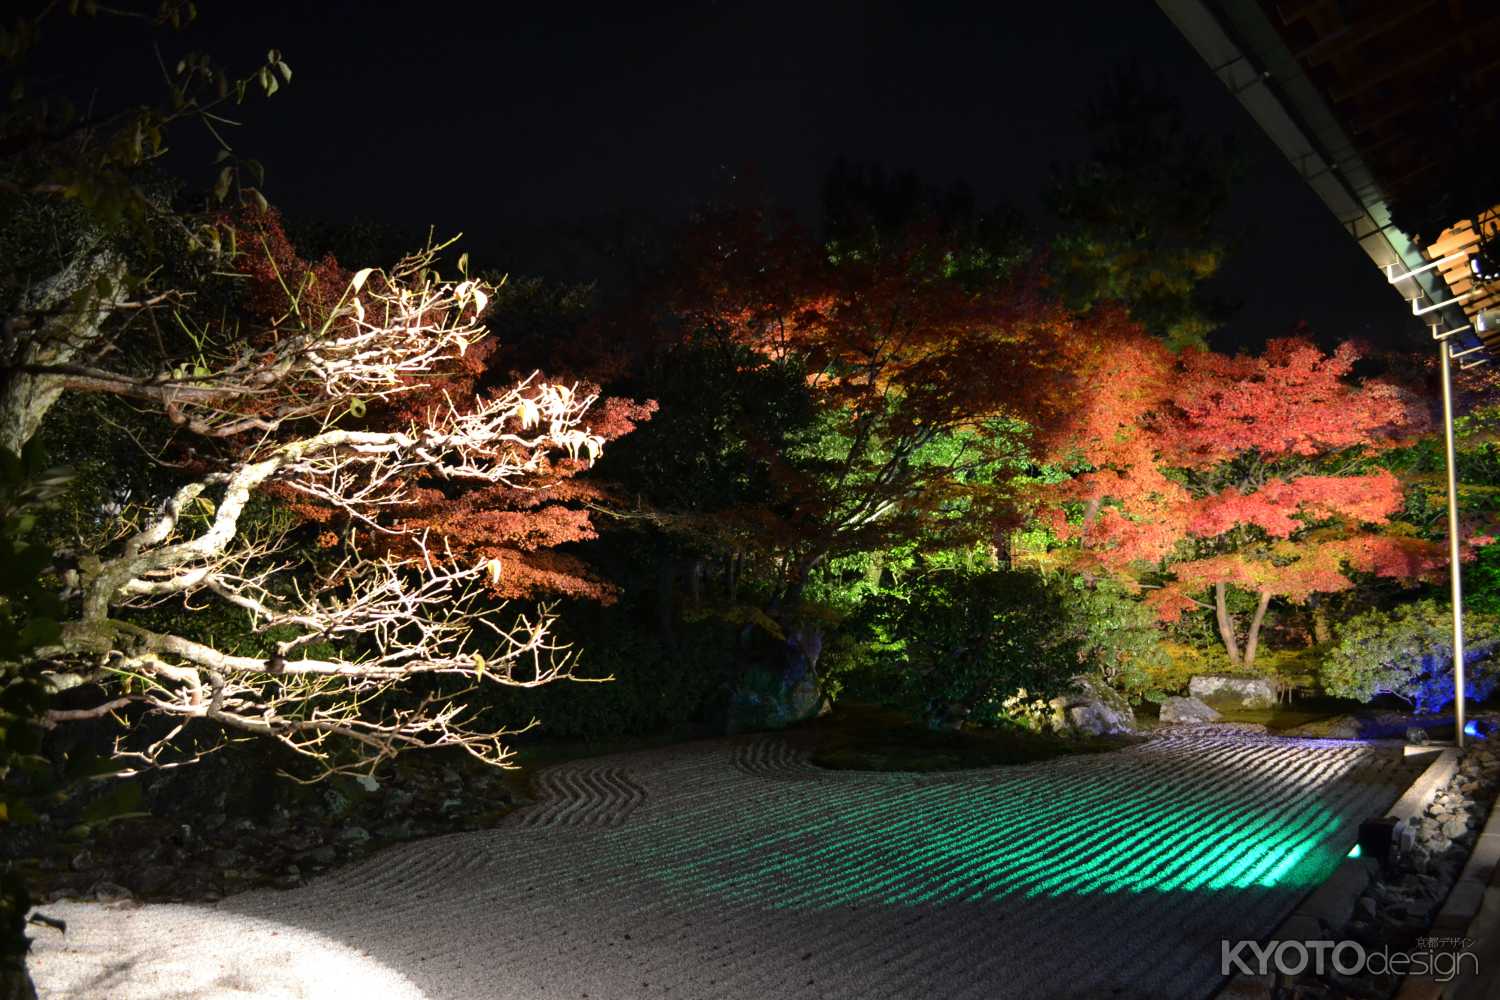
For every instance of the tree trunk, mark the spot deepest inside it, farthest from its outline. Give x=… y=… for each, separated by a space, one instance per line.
x=695 y=582
x=1322 y=634
x=1090 y=512
x=1226 y=625
x=1253 y=639
x=666 y=577
x=57 y=322
x=15 y=982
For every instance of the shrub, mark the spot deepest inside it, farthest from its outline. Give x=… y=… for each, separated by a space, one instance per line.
x=1408 y=652
x=961 y=644
x=1116 y=632
x=1180 y=664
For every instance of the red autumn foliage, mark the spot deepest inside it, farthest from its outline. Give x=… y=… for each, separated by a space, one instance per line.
x=898 y=354
x=1220 y=471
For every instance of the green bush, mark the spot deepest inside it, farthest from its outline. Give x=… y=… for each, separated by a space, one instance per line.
x=1116 y=632
x=958 y=645
x=1408 y=652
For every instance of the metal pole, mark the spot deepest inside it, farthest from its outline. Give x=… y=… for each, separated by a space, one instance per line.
x=1455 y=573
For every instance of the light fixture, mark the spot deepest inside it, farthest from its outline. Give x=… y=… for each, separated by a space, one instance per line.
x=1484 y=262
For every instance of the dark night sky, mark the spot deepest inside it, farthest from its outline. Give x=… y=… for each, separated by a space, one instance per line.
x=502 y=118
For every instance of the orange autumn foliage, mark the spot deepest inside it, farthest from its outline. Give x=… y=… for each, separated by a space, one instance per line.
x=520 y=529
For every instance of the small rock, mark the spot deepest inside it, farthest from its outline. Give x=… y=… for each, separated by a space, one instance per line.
x=353 y=835
x=1187 y=710
x=109 y=892
x=1455 y=827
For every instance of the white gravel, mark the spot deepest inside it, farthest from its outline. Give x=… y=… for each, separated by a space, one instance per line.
x=733 y=870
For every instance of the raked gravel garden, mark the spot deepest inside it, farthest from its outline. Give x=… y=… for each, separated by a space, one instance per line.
x=731 y=869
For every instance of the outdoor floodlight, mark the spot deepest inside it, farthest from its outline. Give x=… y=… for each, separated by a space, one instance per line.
x=1485 y=261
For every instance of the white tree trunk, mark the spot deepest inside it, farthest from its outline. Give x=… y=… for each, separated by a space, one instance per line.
x=55 y=323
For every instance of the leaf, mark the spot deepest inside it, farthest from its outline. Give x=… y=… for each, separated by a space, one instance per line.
x=463 y=263
x=478 y=665
x=493 y=568
x=356 y=407
x=480 y=301
x=361 y=276
x=221 y=186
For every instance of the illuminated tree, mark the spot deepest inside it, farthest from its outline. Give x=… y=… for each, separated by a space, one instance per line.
x=299 y=409
x=1201 y=472
x=920 y=366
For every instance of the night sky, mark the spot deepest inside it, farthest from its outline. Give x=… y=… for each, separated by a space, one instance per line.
x=514 y=123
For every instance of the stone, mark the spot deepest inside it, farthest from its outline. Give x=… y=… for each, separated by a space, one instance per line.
x=1455 y=827
x=1416 y=736
x=108 y=892
x=1233 y=692
x=1187 y=710
x=353 y=835
x=1091 y=708
x=335 y=801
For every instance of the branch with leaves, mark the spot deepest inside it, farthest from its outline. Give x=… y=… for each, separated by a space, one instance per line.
x=373 y=651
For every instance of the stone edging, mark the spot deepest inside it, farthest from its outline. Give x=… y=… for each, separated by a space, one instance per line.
x=1330 y=904
x=1471 y=910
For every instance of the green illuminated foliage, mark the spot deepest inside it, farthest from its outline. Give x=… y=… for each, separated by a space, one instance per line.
x=961 y=644
x=1408 y=652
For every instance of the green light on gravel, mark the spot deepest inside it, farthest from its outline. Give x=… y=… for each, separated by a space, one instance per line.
x=915 y=845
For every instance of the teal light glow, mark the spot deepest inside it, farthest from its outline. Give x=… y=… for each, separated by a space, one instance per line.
x=894 y=845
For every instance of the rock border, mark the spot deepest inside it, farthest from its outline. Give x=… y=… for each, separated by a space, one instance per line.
x=1472 y=910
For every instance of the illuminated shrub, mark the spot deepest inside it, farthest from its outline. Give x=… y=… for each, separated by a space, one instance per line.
x=1408 y=652
x=1117 y=633
x=959 y=645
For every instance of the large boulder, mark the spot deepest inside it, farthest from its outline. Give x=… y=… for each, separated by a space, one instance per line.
x=1187 y=710
x=773 y=702
x=1091 y=708
x=1221 y=692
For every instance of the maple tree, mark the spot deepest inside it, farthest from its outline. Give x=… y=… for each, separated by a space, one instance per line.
x=921 y=362
x=1199 y=472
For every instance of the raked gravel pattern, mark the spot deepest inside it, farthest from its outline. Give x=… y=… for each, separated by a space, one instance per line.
x=736 y=870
